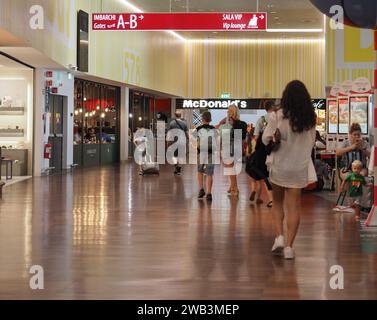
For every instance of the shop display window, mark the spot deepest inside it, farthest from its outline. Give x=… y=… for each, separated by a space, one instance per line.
x=16 y=116
x=96 y=117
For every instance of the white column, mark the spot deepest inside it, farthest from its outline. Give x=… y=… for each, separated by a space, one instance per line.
x=39 y=163
x=124 y=118
x=372 y=218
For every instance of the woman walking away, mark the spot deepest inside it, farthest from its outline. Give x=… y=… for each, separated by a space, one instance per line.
x=292 y=130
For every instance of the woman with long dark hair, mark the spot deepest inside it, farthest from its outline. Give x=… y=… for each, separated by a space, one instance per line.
x=292 y=130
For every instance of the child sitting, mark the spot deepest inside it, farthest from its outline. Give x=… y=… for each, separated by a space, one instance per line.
x=354 y=183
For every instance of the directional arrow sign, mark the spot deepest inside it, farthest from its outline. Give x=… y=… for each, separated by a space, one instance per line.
x=232 y=21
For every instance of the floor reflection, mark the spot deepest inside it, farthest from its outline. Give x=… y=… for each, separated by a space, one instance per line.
x=108 y=233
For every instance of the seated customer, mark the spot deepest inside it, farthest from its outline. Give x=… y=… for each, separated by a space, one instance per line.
x=355 y=148
x=91 y=135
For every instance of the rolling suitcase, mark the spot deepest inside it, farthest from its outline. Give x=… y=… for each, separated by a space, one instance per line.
x=149 y=167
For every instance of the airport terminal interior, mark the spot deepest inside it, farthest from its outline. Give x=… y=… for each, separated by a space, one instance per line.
x=100 y=199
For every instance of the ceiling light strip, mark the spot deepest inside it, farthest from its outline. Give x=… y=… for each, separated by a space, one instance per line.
x=257 y=41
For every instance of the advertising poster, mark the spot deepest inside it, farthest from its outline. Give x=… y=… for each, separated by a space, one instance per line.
x=344 y=115
x=359 y=112
x=333 y=116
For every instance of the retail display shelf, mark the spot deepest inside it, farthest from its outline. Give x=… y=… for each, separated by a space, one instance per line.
x=11 y=133
x=12 y=110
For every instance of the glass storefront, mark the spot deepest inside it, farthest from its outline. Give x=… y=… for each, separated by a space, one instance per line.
x=145 y=112
x=96 y=124
x=16 y=119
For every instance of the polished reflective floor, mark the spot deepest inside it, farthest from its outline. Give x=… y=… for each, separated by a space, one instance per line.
x=110 y=234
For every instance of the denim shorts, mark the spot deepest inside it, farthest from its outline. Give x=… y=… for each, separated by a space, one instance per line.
x=207 y=169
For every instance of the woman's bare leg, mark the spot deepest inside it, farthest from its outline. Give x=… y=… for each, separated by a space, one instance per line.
x=294 y=210
x=278 y=209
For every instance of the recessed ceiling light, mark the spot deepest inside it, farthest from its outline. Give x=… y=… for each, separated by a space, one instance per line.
x=215 y=32
x=276 y=18
x=273 y=12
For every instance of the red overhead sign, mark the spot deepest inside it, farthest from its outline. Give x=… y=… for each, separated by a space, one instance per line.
x=244 y=21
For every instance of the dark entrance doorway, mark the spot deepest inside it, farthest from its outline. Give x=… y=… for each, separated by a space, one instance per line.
x=56 y=132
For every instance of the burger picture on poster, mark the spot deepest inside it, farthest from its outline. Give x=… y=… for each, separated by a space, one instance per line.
x=333 y=116
x=359 y=112
x=344 y=115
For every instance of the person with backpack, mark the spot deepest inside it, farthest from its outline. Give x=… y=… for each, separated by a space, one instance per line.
x=180 y=124
x=206 y=141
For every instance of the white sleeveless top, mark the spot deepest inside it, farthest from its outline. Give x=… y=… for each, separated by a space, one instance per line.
x=291 y=166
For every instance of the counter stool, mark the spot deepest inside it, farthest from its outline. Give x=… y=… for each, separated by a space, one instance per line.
x=8 y=165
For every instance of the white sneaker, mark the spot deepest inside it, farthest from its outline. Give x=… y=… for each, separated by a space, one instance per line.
x=278 y=246
x=289 y=253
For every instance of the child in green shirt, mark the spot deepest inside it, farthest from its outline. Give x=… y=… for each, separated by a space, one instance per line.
x=354 y=183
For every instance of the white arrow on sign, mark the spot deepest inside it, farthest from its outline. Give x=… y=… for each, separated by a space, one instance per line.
x=141 y=17
x=261 y=16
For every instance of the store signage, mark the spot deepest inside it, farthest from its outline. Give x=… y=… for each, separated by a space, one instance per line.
x=346 y=88
x=249 y=104
x=335 y=90
x=212 y=104
x=243 y=21
x=319 y=104
x=362 y=85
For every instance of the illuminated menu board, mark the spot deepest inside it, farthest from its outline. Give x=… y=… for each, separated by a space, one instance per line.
x=332 y=116
x=359 y=112
x=344 y=115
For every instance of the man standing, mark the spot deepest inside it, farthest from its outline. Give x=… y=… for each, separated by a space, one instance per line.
x=180 y=124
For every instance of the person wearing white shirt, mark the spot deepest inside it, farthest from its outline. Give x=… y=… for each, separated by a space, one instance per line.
x=292 y=130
